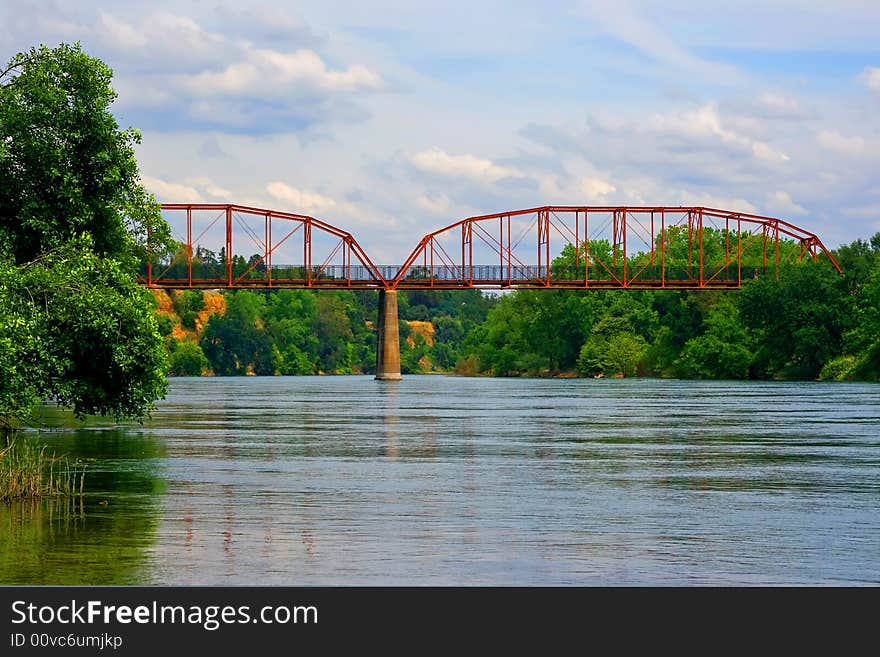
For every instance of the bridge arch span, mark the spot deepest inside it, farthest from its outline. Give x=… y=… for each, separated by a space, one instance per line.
x=608 y=247
x=241 y=247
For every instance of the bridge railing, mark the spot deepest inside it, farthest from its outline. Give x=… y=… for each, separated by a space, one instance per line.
x=213 y=275
x=652 y=276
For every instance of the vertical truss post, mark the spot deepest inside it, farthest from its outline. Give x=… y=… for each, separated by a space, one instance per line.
x=662 y=248
x=691 y=244
x=776 y=226
x=739 y=252
x=539 y=226
x=614 y=231
x=229 y=246
x=625 y=219
x=501 y=247
x=471 y=253
x=269 y=248
x=726 y=247
x=547 y=243
x=586 y=250
x=189 y=246
x=700 y=229
x=464 y=239
x=346 y=261
x=509 y=253
x=307 y=251
x=544 y=241
x=764 y=249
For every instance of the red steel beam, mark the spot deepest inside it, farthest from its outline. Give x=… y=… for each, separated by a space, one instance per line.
x=466 y=274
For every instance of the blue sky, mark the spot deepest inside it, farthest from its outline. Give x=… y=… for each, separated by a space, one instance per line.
x=394 y=118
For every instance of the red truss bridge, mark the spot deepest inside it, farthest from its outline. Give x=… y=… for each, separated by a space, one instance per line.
x=550 y=247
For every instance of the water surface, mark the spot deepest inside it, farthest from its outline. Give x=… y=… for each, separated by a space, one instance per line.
x=444 y=480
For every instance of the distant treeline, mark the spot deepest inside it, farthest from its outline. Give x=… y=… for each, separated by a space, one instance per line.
x=809 y=323
x=318 y=332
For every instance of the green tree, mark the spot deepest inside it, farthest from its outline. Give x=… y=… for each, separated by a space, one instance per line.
x=865 y=339
x=334 y=331
x=625 y=350
x=74 y=325
x=165 y=325
x=188 y=301
x=187 y=359
x=236 y=343
x=861 y=359
x=612 y=348
x=78 y=329
x=724 y=351
x=290 y=318
x=66 y=167
x=799 y=320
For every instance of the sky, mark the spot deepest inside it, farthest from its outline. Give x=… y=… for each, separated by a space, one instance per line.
x=391 y=119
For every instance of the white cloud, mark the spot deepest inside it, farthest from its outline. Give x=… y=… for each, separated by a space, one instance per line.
x=780 y=202
x=595 y=190
x=171 y=62
x=122 y=35
x=191 y=190
x=777 y=102
x=142 y=92
x=870 y=77
x=708 y=200
x=210 y=187
x=301 y=201
x=277 y=73
x=439 y=204
x=468 y=166
x=833 y=140
x=168 y=192
x=548 y=185
x=161 y=38
x=766 y=105
x=705 y=123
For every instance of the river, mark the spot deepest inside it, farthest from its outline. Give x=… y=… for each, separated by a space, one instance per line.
x=467 y=481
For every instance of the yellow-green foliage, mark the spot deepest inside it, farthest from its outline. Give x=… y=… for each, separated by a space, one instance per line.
x=28 y=471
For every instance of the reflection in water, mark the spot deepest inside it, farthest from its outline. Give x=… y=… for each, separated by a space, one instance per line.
x=440 y=480
x=102 y=538
x=388 y=392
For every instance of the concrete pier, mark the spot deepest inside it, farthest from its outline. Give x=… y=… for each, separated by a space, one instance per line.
x=388 y=344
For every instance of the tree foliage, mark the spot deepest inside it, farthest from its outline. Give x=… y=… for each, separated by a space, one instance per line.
x=74 y=325
x=78 y=329
x=187 y=359
x=809 y=323
x=67 y=168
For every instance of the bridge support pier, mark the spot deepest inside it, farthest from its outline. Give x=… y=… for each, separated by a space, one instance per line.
x=388 y=338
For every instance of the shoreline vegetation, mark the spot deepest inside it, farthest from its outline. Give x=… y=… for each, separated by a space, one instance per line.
x=809 y=324
x=29 y=471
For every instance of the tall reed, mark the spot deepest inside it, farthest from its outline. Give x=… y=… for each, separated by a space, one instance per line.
x=28 y=470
